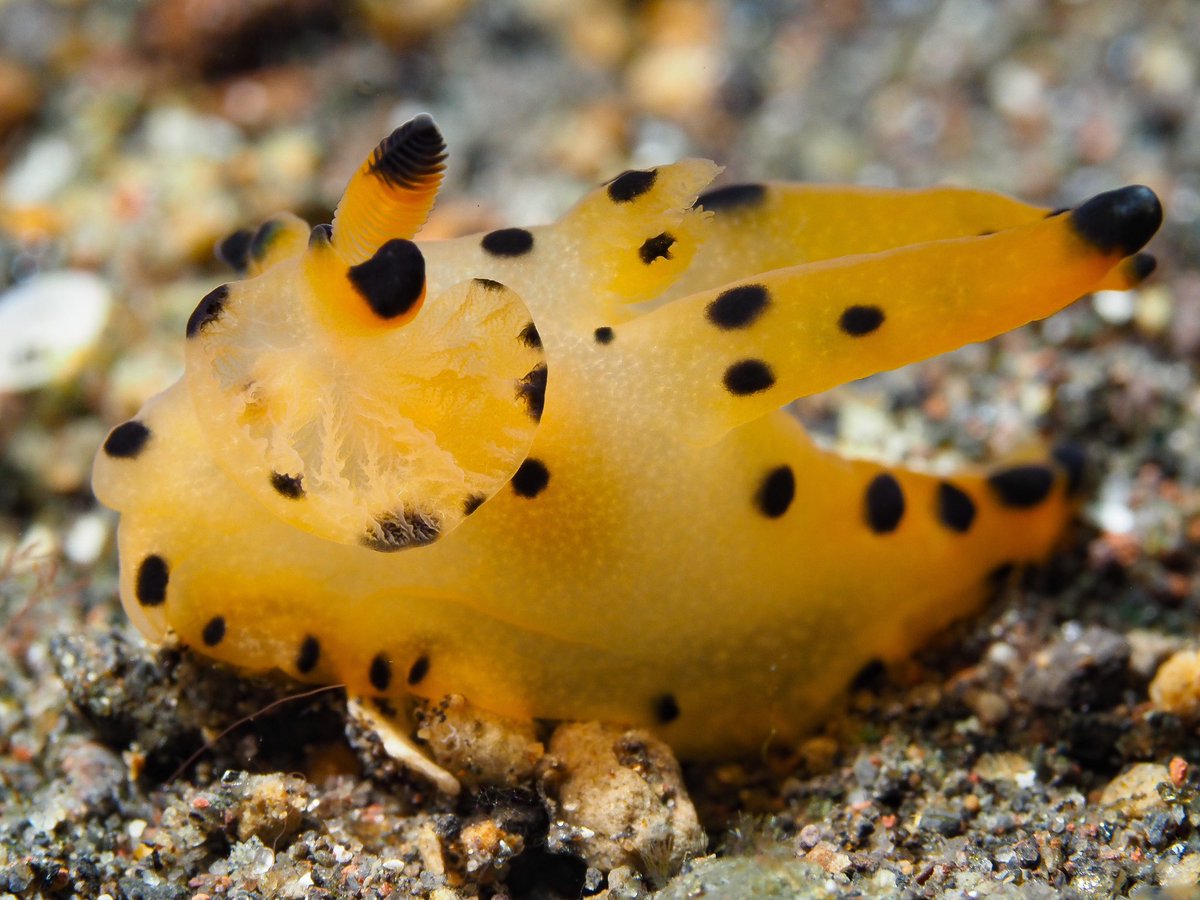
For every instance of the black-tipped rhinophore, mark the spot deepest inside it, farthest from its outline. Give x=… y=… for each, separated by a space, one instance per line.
x=1122 y=220
x=411 y=154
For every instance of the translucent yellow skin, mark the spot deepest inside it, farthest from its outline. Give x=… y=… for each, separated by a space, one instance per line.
x=663 y=575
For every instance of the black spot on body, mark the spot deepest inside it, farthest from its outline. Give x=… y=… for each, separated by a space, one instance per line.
x=392 y=280
x=1119 y=221
x=529 y=337
x=657 y=247
x=857 y=321
x=127 y=440
x=290 y=486
x=214 y=631
x=234 y=250
x=1074 y=462
x=150 y=586
x=666 y=709
x=884 y=501
x=630 y=185
x=410 y=155
x=1021 y=487
x=380 y=672
x=603 y=335
x=208 y=310
x=399 y=530
x=309 y=655
x=738 y=307
x=749 y=376
x=776 y=493
x=955 y=509
x=531 y=478
x=532 y=389
x=418 y=670
x=735 y=196
x=507 y=242
x=473 y=503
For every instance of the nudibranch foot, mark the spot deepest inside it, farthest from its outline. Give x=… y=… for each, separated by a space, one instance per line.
x=573 y=437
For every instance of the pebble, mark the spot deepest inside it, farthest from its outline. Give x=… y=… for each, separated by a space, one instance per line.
x=1087 y=667
x=1135 y=791
x=1176 y=685
x=617 y=798
x=47 y=324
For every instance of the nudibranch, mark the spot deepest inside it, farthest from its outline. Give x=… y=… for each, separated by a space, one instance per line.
x=547 y=468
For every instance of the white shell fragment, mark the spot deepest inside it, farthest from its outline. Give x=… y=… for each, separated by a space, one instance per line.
x=47 y=325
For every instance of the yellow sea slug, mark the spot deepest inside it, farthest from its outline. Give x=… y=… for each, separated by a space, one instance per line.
x=571 y=436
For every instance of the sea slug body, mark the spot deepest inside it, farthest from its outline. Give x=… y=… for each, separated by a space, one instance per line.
x=547 y=468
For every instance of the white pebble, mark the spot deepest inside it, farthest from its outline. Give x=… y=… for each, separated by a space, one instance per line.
x=1115 y=307
x=85 y=540
x=47 y=324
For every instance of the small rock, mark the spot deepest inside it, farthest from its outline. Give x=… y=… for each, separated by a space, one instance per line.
x=477 y=746
x=1176 y=685
x=1086 y=668
x=1135 y=791
x=48 y=323
x=618 y=799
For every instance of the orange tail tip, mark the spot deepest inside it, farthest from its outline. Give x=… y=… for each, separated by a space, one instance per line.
x=393 y=191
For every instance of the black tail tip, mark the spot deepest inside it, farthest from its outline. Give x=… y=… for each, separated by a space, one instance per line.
x=1122 y=220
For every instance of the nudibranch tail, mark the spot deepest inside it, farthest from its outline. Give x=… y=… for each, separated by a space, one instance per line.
x=720 y=358
x=393 y=192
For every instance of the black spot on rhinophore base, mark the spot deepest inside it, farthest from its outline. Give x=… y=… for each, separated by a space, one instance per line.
x=214 y=631
x=260 y=243
x=630 y=185
x=657 y=247
x=321 y=234
x=289 y=486
x=507 y=242
x=776 y=492
x=418 y=670
x=208 y=310
x=531 y=478
x=1021 y=487
x=603 y=335
x=380 y=673
x=1143 y=266
x=402 y=529
x=738 y=307
x=127 y=440
x=955 y=509
x=857 y=321
x=1119 y=221
x=748 y=376
x=733 y=197
x=532 y=389
x=392 y=281
x=666 y=709
x=884 y=502
x=309 y=655
x=411 y=155
x=150 y=585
